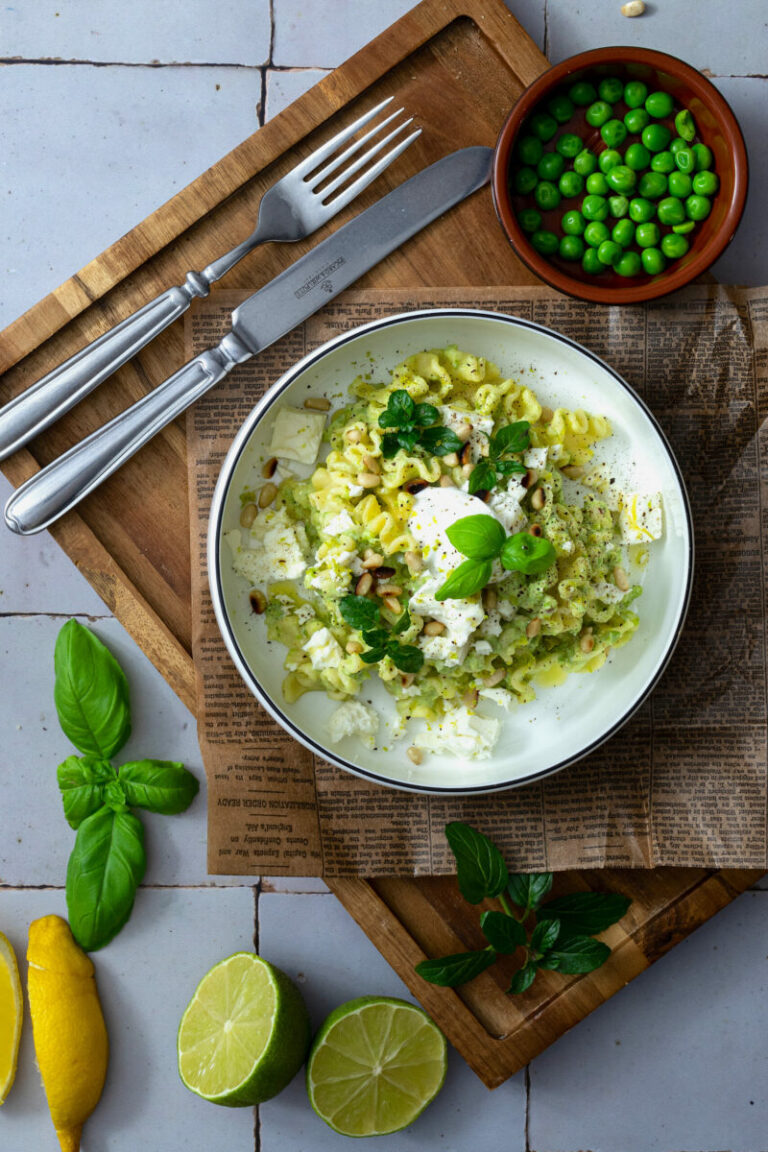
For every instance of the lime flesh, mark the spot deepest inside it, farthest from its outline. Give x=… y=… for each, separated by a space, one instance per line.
x=244 y=1034
x=375 y=1065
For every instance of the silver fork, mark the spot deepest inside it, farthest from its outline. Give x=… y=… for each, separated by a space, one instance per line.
x=300 y=202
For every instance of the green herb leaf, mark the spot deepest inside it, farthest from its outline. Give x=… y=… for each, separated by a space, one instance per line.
x=105 y=868
x=504 y=933
x=407 y=657
x=483 y=477
x=586 y=913
x=407 y=440
x=376 y=637
x=440 y=441
x=450 y=971
x=510 y=438
x=478 y=537
x=82 y=782
x=465 y=580
x=522 y=979
x=114 y=796
x=390 y=445
x=402 y=624
x=373 y=655
x=425 y=414
x=508 y=467
x=528 y=889
x=576 y=955
x=528 y=554
x=544 y=935
x=359 y=612
x=399 y=410
x=480 y=866
x=158 y=785
x=90 y=693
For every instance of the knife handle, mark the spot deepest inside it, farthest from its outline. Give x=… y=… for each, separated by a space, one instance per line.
x=61 y=485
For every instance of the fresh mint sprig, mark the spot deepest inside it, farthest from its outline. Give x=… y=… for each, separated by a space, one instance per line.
x=559 y=940
x=416 y=425
x=482 y=539
x=365 y=615
x=510 y=440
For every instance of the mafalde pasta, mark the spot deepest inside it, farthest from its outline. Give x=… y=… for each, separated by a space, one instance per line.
x=457 y=542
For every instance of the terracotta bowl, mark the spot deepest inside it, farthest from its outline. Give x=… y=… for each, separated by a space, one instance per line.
x=716 y=126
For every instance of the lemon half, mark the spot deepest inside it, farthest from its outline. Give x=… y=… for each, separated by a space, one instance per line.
x=11 y=1016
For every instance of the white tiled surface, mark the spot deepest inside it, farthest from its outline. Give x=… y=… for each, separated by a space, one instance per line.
x=677 y=1061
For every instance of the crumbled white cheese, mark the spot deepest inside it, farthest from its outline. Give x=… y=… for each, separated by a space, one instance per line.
x=640 y=518
x=273 y=549
x=304 y=613
x=608 y=593
x=505 y=504
x=296 y=434
x=353 y=719
x=324 y=650
x=482 y=648
x=506 y=609
x=482 y=426
x=460 y=617
x=491 y=626
x=535 y=458
x=499 y=696
x=339 y=524
x=463 y=733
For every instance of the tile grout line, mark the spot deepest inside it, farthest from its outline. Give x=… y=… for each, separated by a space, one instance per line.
x=527 y=1082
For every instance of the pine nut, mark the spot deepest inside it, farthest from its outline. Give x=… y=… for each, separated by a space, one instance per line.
x=269 y=468
x=530 y=478
x=389 y=590
x=372 y=464
x=414 y=562
x=451 y=460
x=533 y=628
x=446 y=482
x=248 y=514
x=491 y=599
x=621 y=579
x=384 y=573
x=546 y=414
x=537 y=530
x=414 y=486
x=267 y=495
x=354 y=435
x=407 y=679
x=414 y=754
x=573 y=471
x=369 y=479
x=373 y=561
x=470 y=698
x=495 y=678
x=353 y=647
x=464 y=431
x=391 y=603
x=467 y=470
x=434 y=628
x=317 y=403
x=258 y=601
x=587 y=642
x=538 y=499
x=633 y=8
x=465 y=455
x=364 y=584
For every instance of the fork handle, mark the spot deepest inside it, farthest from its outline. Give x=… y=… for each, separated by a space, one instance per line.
x=61 y=485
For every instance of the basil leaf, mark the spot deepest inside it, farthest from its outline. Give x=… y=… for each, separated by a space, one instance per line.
x=402 y=624
x=528 y=889
x=407 y=440
x=450 y=971
x=440 y=441
x=544 y=935
x=158 y=785
x=376 y=637
x=510 y=438
x=114 y=796
x=399 y=410
x=359 y=612
x=407 y=658
x=586 y=913
x=478 y=537
x=390 y=445
x=480 y=866
x=465 y=580
x=373 y=655
x=504 y=933
x=577 y=955
x=425 y=414
x=507 y=467
x=90 y=693
x=82 y=782
x=483 y=477
x=522 y=979
x=106 y=867
x=526 y=553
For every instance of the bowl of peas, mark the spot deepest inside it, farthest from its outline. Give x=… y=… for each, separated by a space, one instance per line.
x=620 y=175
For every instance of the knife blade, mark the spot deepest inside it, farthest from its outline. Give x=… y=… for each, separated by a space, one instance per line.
x=293 y=296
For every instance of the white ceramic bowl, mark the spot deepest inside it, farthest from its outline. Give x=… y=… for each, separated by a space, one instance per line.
x=564 y=723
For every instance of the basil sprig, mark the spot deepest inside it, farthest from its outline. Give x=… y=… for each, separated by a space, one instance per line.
x=416 y=425
x=365 y=615
x=108 y=860
x=560 y=938
x=481 y=539
x=510 y=440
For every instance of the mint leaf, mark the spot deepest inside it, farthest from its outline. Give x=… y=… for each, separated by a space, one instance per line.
x=450 y=971
x=440 y=441
x=407 y=657
x=407 y=440
x=478 y=537
x=504 y=933
x=577 y=955
x=507 y=467
x=480 y=866
x=425 y=414
x=82 y=782
x=510 y=438
x=544 y=935
x=528 y=889
x=158 y=785
x=359 y=612
x=586 y=913
x=90 y=693
x=483 y=477
x=376 y=637
x=390 y=445
x=522 y=979
x=373 y=655
x=399 y=410
x=465 y=580
x=402 y=624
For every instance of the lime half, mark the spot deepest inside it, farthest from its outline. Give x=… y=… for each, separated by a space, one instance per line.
x=244 y=1034
x=375 y=1064
x=11 y=1013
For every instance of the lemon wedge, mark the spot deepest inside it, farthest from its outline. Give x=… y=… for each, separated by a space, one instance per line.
x=11 y=1015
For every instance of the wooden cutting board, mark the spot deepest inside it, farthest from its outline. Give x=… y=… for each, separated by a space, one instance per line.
x=457 y=66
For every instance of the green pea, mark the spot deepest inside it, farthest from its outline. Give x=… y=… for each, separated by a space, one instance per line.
x=597 y=184
x=568 y=145
x=685 y=159
x=551 y=166
x=545 y=242
x=635 y=93
x=636 y=119
x=653 y=185
x=705 y=183
x=571 y=247
x=623 y=233
x=685 y=125
x=530 y=150
x=621 y=178
x=570 y=184
x=595 y=233
x=704 y=157
x=530 y=220
x=546 y=195
x=656 y=137
x=585 y=163
x=582 y=93
x=572 y=222
x=598 y=113
x=629 y=265
x=594 y=208
x=614 y=132
x=674 y=246
x=680 y=185
x=609 y=252
x=525 y=181
x=659 y=105
x=561 y=108
x=618 y=206
x=543 y=126
x=611 y=89
x=608 y=159
x=698 y=207
x=684 y=228
x=653 y=261
x=647 y=235
x=677 y=144
x=663 y=162
x=671 y=211
x=591 y=263
x=637 y=157
x=641 y=210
